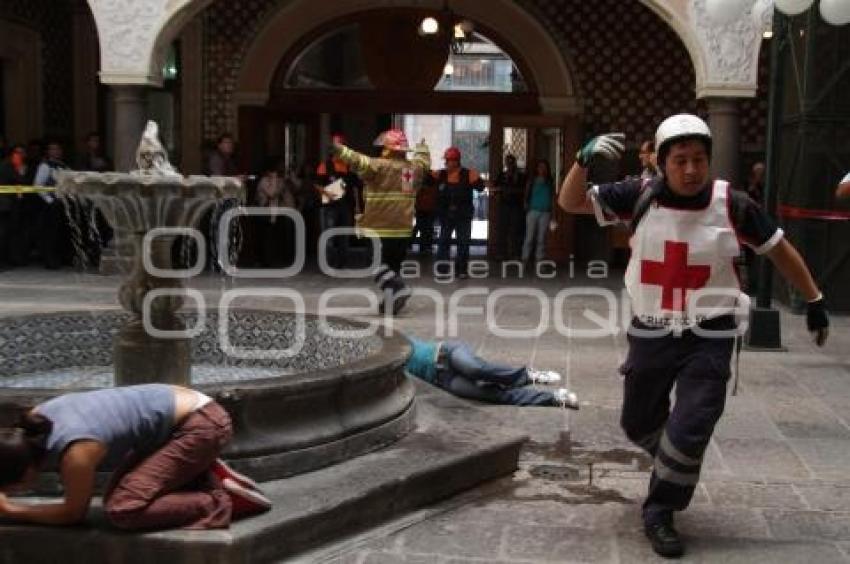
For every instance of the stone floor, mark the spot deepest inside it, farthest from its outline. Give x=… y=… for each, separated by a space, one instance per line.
x=776 y=482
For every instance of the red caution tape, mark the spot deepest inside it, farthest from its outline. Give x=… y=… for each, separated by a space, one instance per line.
x=792 y=212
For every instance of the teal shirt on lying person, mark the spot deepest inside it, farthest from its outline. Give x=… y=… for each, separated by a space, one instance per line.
x=423 y=360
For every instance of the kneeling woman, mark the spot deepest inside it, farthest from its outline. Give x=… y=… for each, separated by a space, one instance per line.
x=164 y=441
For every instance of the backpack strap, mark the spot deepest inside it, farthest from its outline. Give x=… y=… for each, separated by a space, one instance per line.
x=737 y=206
x=644 y=200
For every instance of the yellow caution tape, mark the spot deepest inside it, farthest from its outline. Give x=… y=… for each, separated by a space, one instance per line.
x=26 y=189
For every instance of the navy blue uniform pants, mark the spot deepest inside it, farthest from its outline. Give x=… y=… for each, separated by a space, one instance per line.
x=699 y=368
x=452 y=222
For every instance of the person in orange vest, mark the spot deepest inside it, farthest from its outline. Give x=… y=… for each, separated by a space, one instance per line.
x=426 y=213
x=456 y=207
x=336 y=210
x=390 y=185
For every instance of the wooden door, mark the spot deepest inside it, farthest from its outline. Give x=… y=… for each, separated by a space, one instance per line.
x=554 y=138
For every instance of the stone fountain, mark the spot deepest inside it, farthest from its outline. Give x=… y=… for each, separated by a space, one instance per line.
x=337 y=396
x=155 y=196
x=337 y=418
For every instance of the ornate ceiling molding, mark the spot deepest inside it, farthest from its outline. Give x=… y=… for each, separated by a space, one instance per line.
x=134 y=36
x=730 y=50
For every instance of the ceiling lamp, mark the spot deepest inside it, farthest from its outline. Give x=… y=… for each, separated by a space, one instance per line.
x=461 y=29
x=429 y=26
x=793 y=7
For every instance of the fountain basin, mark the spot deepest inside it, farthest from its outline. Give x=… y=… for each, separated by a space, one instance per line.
x=337 y=398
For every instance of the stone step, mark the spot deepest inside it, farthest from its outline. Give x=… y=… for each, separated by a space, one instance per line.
x=455 y=447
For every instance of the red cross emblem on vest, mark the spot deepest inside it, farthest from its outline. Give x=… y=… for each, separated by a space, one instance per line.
x=674 y=275
x=407 y=175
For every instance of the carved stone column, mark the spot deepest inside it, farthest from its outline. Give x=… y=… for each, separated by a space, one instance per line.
x=724 y=120
x=130 y=117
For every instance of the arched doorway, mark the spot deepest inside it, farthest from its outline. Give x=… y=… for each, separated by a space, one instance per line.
x=324 y=83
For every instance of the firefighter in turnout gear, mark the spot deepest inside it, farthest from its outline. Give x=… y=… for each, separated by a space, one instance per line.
x=686 y=229
x=390 y=185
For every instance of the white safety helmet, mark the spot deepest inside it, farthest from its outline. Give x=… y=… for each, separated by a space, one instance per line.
x=678 y=128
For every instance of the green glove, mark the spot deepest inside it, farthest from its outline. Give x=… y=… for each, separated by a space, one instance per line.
x=609 y=146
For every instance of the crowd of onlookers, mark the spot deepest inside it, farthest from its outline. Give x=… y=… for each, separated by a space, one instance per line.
x=35 y=226
x=450 y=199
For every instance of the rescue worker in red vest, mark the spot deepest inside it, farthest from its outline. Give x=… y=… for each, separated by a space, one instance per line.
x=337 y=211
x=390 y=184
x=456 y=208
x=686 y=231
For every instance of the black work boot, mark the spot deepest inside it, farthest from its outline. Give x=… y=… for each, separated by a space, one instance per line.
x=400 y=296
x=664 y=538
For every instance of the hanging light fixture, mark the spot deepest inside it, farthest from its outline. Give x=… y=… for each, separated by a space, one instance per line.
x=459 y=31
x=429 y=26
x=462 y=35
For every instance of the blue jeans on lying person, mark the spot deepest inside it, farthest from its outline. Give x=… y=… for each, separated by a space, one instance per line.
x=464 y=374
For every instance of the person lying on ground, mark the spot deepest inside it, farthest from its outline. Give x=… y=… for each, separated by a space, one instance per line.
x=454 y=367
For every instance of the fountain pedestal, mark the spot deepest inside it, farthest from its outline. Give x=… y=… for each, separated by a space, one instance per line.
x=134 y=205
x=140 y=357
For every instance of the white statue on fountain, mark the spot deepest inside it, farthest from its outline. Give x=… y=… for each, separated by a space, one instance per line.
x=151 y=157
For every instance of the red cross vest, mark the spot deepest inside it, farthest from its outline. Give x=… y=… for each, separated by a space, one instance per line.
x=681 y=271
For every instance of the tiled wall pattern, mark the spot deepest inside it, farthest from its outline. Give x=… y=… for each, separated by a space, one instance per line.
x=229 y=28
x=631 y=68
x=754 y=110
x=53 y=20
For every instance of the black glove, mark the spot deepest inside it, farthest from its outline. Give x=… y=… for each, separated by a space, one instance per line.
x=817 y=320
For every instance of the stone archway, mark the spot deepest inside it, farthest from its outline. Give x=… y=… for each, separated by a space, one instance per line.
x=21 y=48
x=522 y=34
x=134 y=34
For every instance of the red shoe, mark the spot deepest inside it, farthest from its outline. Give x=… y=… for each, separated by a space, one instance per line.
x=246 y=502
x=223 y=471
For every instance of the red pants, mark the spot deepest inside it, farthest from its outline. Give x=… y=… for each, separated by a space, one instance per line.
x=173 y=487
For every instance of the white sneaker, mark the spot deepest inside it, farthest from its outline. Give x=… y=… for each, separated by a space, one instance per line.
x=543 y=376
x=566 y=398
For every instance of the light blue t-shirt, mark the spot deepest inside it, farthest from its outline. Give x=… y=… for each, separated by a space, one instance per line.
x=541 y=195
x=131 y=418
